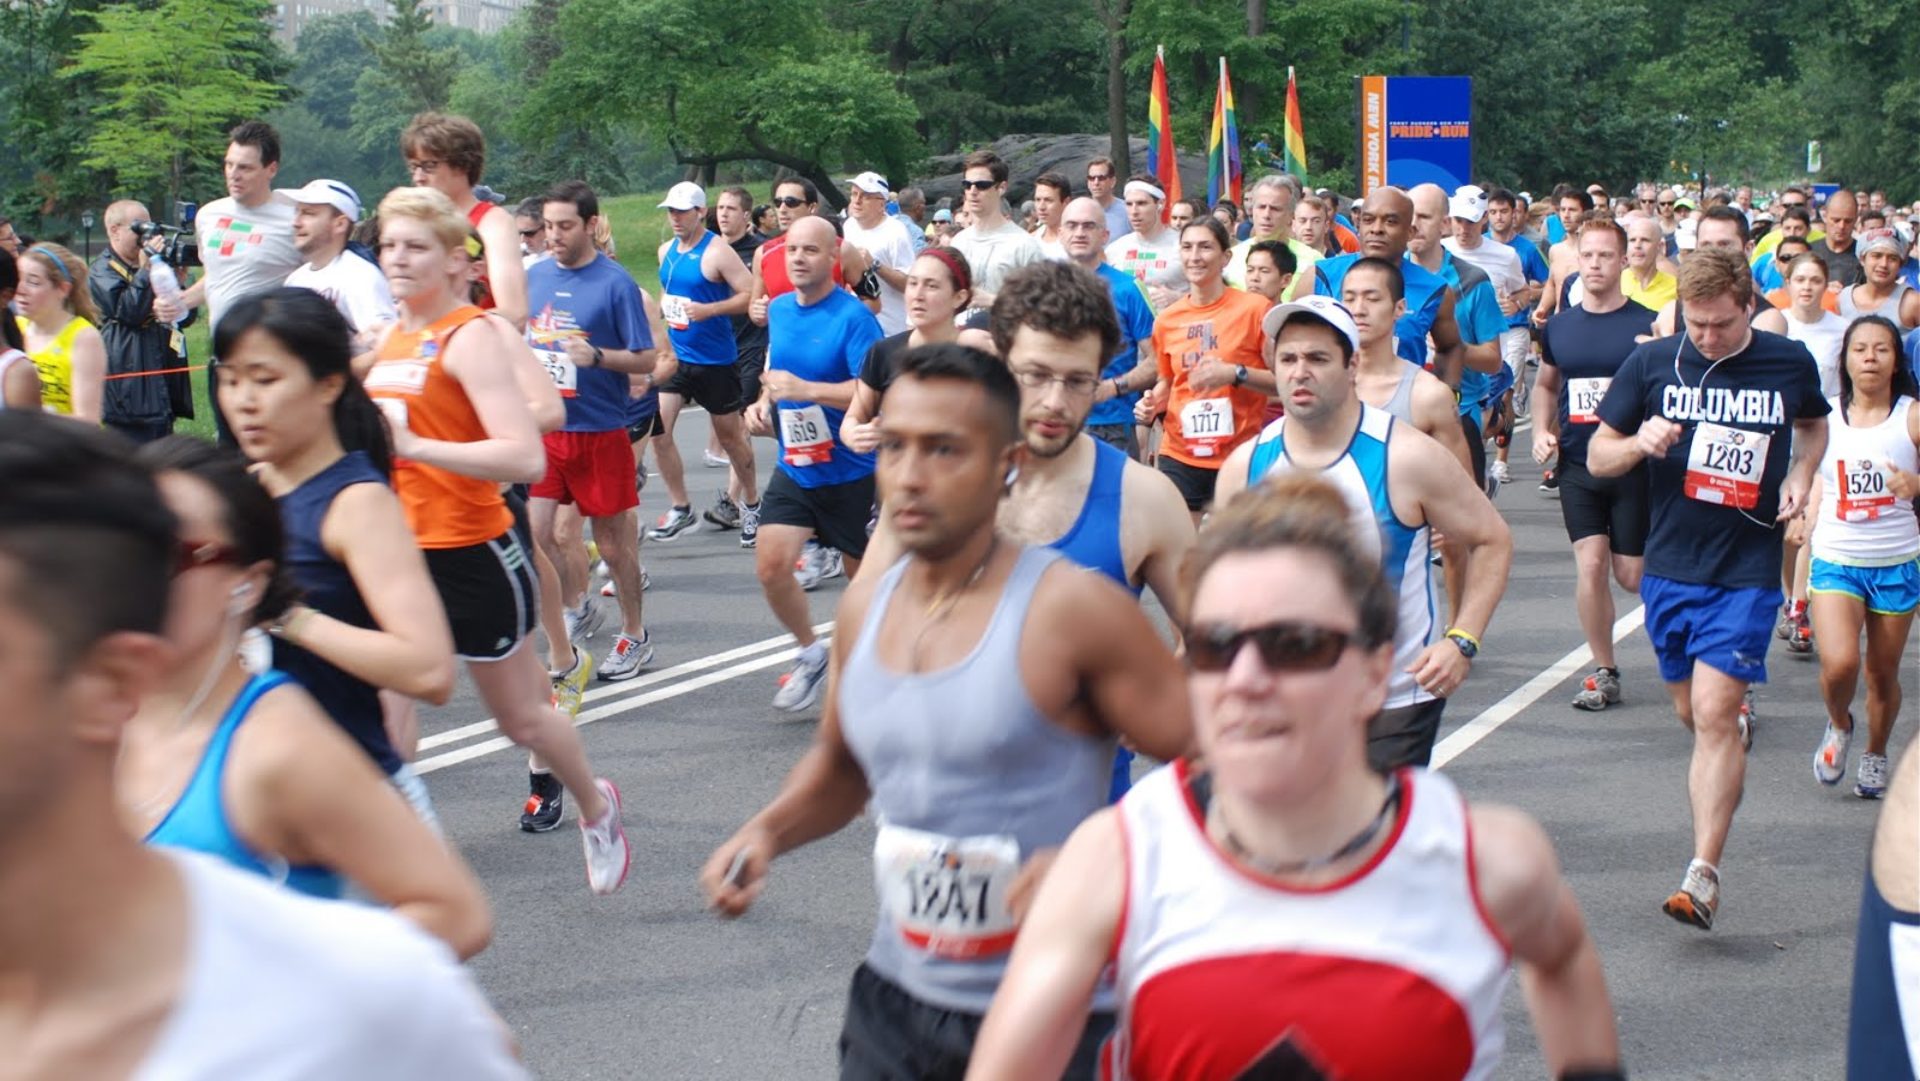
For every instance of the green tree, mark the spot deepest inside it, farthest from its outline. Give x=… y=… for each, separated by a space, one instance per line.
x=411 y=74
x=172 y=78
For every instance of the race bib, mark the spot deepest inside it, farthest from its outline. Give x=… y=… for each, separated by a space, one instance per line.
x=395 y=410
x=1860 y=488
x=1724 y=466
x=1207 y=425
x=805 y=438
x=674 y=310
x=407 y=376
x=561 y=369
x=1583 y=399
x=947 y=896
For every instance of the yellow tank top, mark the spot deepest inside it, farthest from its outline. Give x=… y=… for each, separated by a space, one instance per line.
x=55 y=364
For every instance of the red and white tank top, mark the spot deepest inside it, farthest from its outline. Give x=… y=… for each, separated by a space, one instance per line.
x=1393 y=972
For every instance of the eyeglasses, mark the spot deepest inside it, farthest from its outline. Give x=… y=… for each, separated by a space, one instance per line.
x=789 y=201
x=1666 y=203
x=978 y=185
x=1283 y=647
x=529 y=234
x=422 y=166
x=204 y=554
x=1079 y=385
x=1099 y=176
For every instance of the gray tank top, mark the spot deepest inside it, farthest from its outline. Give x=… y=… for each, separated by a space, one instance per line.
x=969 y=778
x=1401 y=402
x=1890 y=309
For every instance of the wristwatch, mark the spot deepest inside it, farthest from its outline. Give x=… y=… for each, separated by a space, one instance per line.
x=1467 y=644
x=1239 y=375
x=598 y=355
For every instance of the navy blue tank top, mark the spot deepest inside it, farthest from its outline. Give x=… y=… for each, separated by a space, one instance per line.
x=328 y=588
x=1094 y=540
x=1878 y=1045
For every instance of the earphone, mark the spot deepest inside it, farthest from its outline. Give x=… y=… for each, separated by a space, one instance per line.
x=1013 y=474
x=241 y=596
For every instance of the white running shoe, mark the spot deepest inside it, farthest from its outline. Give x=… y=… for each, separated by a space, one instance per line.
x=1830 y=761
x=1500 y=472
x=605 y=843
x=800 y=687
x=582 y=622
x=627 y=657
x=714 y=461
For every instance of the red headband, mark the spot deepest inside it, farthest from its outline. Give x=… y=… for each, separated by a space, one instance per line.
x=957 y=266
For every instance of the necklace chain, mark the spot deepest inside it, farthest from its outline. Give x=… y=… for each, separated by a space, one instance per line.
x=942 y=605
x=1359 y=841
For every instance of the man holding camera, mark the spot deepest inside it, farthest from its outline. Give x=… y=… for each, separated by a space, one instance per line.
x=324 y=215
x=139 y=403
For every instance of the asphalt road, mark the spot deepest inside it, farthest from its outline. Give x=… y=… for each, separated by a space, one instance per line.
x=646 y=984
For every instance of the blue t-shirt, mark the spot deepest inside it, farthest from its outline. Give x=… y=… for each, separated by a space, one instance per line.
x=1136 y=326
x=1766 y=273
x=1536 y=270
x=1588 y=350
x=601 y=303
x=1556 y=232
x=1761 y=390
x=1426 y=291
x=1476 y=310
x=821 y=343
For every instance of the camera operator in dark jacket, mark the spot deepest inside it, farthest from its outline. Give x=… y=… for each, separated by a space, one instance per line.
x=141 y=407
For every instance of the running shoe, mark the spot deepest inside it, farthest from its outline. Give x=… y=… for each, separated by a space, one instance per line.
x=750 y=526
x=1830 y=761
x=724 y=513
x=672 y=524
x=605 y=843
x=1870 y=780
x=831 y=564
x=1800 y=636
x=1500 y=472
x=1745 y=719
x=1550 y=483
x=571 y=685
x=806 y=569
x=581 y=622
x=546 y=803
x=1598 y=691
x=646 y=583
x=1783 y=630
x=800 y=687
x=1698 y=897
x=628 y=656
x=714 y=461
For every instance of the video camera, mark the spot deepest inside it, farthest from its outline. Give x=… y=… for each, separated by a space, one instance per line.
x=182 y=248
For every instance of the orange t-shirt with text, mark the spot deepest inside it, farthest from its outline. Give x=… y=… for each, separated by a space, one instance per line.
x=1203 y=427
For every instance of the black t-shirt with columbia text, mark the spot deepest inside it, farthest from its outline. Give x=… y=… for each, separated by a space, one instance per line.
x=1588 y=350
x=1716 y=491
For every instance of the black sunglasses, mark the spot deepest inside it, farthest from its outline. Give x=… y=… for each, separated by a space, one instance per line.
x=1284 y=647
x=1099 y=176
x=1666 y=202
x=529 y=233
x=789 y=201
x=978 y=185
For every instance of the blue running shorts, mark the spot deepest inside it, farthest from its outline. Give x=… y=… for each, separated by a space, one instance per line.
x=1886 y=591
x=1727 y=629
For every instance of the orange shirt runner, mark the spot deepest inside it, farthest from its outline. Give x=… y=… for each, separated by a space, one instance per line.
x=1203 y=427
x=412 y=387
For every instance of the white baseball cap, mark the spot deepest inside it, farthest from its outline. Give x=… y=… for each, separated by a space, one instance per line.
x=327 y=193
x=685 y=195
x=872 y=183
x=1469 y=203
x=1325 y=308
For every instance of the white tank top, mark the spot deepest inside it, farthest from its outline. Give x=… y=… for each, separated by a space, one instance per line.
x=1861 y=524
x=1822 y=339
x=1393 y=972
x=9 y=356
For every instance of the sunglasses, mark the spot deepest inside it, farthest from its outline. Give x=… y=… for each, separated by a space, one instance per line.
x=1283 y=647
x=529 y=234
x=205 y=554
x=978 y=185
x=789 y=201
x=1099 y=176
x=1666 y=203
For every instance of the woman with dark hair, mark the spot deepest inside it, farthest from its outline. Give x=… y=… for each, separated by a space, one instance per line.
x=246 y=767
x=19 y=379
x=939 y=288
x=369 y=617
x=1865 y=541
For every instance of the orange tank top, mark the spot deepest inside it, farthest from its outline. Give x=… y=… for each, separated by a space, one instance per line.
x=415 y=390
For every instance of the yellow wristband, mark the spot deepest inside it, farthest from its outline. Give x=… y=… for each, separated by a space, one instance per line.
x=1455 y=632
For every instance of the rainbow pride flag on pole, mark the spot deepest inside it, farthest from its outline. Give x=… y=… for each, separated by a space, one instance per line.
x=1294 y=144
x=1223 y=146
x=1161 y=161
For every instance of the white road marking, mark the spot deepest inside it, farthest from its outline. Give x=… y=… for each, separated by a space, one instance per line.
x=1490 y=719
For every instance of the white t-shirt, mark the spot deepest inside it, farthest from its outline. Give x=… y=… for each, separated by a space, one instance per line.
x=1822 y=339
x=355 y=286
x=994 y=255
x=1054 y=250
x=1501 y=263
x=889 y=246
x=246 y=250
x=283 y=987
x=1154 y=262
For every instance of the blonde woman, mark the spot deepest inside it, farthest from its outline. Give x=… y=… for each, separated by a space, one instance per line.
x=57 y=320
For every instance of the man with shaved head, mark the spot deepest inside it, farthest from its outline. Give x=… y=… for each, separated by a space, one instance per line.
x=1385 y=219
x=1840 y=215
x=1132 y=368
x=140 y=408
x=1644 y=281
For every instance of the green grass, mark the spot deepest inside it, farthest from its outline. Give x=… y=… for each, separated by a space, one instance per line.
x=639 y=228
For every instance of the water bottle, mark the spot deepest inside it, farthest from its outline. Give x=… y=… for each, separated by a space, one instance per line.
x=166 y=286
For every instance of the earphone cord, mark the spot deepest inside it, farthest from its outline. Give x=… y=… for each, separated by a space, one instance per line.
x=230 y=638
x=1702 y=388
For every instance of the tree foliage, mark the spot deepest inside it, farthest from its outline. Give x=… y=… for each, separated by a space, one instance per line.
x=171 y=78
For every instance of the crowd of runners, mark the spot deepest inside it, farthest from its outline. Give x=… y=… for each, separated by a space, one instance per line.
x=1192 y=840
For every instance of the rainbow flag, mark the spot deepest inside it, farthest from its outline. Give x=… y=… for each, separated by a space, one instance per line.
x=1161 y=161
x=1223 y=146
x=1294 y=144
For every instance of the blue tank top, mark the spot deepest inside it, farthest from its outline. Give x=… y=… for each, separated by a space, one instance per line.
x=1094 y=540
x=328 y=588
x=1878 y=1044
x=708 y=341
x=198 y=821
